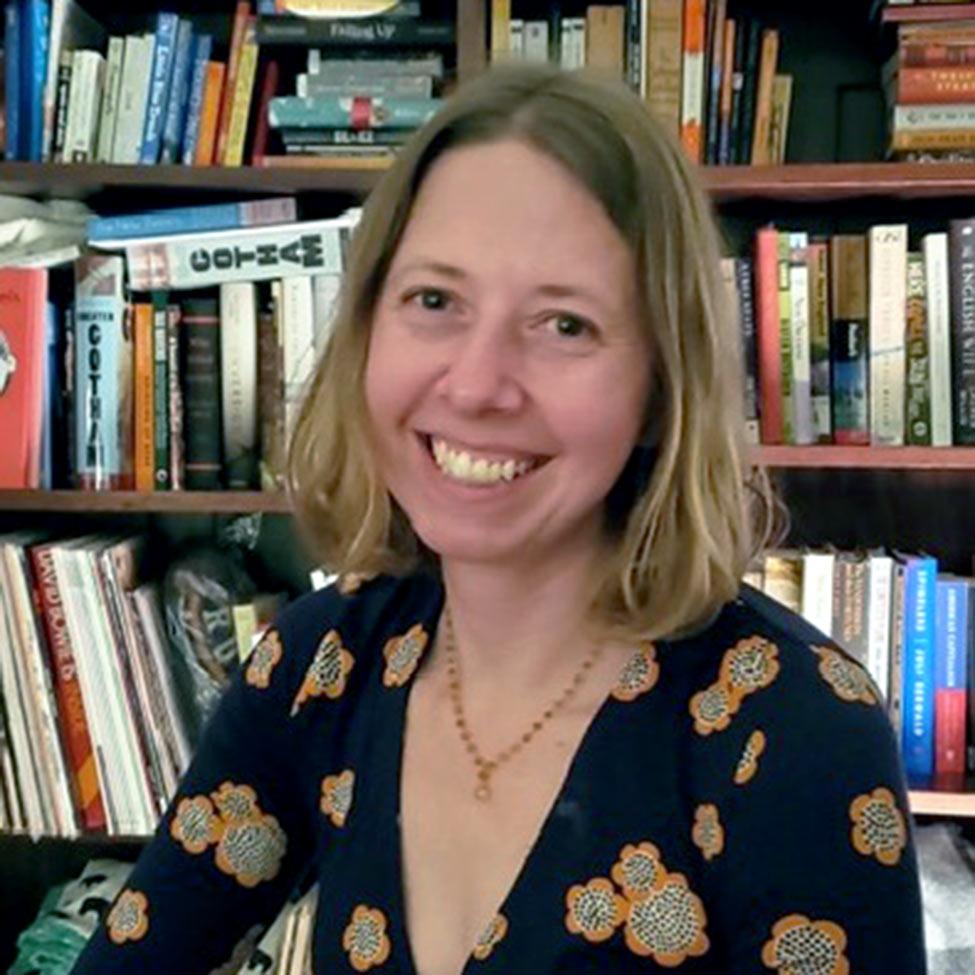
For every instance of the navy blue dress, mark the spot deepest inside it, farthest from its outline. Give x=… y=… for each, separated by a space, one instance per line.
x=736 y=807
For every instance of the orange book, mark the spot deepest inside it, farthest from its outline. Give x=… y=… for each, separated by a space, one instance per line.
x=144 y=404
x=72 y=719
x=920 y=86
x=692 y=80
x=767 y=328
x=233 y=154
x=209 y=112
x=761 y=144
x=23 y=349
x=241 y=17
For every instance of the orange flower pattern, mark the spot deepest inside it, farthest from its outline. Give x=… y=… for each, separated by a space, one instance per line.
x=799 y=946
x=327 y=672
x=402 y=655
x=660 y=915
x=365 y=939
x=748 y=763
x=263 y=659
x=595 y=909
x=849 y=680
x=667 y=924
x=707 y=832
x=639 y=675
x=128 y=920
x=879 y=829
x=490 y=937
x=336 y=798
x=749 y=666
x=250 y=844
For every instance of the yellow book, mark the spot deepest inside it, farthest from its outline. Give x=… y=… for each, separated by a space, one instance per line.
x=240 y=107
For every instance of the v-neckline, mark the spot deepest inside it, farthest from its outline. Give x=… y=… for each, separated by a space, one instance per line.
x=431 y=625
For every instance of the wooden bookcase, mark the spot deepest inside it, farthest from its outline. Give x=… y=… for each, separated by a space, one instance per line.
x=907 y=497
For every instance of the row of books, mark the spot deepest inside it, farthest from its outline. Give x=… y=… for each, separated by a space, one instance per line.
x=911 y=627
x=150 y=387
x=930 y=89
x=859 y=339
x=709 y=73
x=97 y=720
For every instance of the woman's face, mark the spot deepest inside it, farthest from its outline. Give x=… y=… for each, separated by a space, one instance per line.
x=507 y=372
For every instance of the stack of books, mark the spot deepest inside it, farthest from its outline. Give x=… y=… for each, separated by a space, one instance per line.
x=708 y=71
x=930 y=89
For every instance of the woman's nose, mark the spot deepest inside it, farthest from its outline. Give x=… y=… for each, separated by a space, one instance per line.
x=483 y=371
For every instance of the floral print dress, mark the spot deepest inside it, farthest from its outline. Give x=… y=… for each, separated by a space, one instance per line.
x=736 y=807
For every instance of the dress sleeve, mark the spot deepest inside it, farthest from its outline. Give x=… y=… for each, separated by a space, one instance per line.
x=236 y=837
x=809 y=856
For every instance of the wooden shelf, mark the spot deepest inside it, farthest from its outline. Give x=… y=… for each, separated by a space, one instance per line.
x=930 y=803
x=177 y=502
x=928 y=13
x=868 y=458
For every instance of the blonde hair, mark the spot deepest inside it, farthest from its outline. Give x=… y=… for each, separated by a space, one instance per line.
x=687 y=514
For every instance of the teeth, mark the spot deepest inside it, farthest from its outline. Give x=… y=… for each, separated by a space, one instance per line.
x=461 y=466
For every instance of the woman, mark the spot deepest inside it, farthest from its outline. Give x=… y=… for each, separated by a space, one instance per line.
x=552 y=734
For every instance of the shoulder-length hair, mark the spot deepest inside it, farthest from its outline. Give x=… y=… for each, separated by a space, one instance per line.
x=688 y=514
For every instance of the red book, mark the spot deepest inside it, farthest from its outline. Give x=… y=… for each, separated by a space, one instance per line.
x=262 y=128
x=935 y=86
x=767 y=322
x=73 y=721
x=23 y=298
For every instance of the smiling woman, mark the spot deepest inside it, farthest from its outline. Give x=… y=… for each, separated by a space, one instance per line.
x=538 y=726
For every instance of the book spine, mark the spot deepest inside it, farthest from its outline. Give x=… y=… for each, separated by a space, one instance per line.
x=950 y=678
x=35 y=26
x=887 y=326
x=663 y=45
x=209 y=114
x=67 y=689
x=769 y=358
x=270 y=380
x=160 y=81
x=923 y=119
x=298 y=325
x=201 y=384
x=61 y=108
x=921 y=86
x=817 y=590
x=144 y=397
x=365 y=33
x=722 y=153
x=927 y=55
x=918 y=385
x=918 y=681
x=289 y=111
x=233 y=154
x=238 y=368
x=104 y=375
x=895 y=702
x=160 y=390
x=133 y=95
x=800 y=345
x=176 y=104
x=692 y=80
x=109 y=107
x=713 y=75
x=335 y=136
x=937 y=308
x=175 y=394
x=262 y=128
x=87 y=81
x=760 y=154
x=202 y=47
x=786 y=365
x=11 y=68
x=500 y=18
x=749 y=95
x=881 y=580
x=742 y=31
x=820 y=390
x=254 y=254
x=961 y=249
x=848 y=339
x=242 y=14
x=746 y=312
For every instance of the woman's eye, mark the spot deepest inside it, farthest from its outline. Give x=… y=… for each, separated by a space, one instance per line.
x=571 y=326
x=430 y=299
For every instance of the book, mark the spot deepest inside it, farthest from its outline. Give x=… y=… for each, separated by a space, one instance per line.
x=270 y=393
x=35 y=18
x=961 y=255
x=249 y=254
x=662 y=45
x=820 y=387
x=787 y=365
x=879 y=619
x=160 y=391
x=917 y=422
x=110 y=95
x=174 y=117
x=937 y=310
x=210 y=114
x=200 y=58
x=160 y=84
x=262 y=129
x=233 y=154
x=11 y=67
x=238 y=375
x=201 y=385
x=692 y=79
x=174 y=393
x=918 y=660
x=84 y=101
x=118 y=231
x=144 y=396
x=242 y=14
x=137 y=61
x=290 y=111
x=23 y=297
x=953 y=635
x=800 y=348
x=767 y=318
x=605 y=38
x=761 y=145
x=848 y=338
x=374 y=32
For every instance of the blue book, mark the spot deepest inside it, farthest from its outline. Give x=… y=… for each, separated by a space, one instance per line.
x=202 y=47
x=340 y=111
x=35 y=24
x=176 y=106
x=160 y=79
x=11 y=70
x=192 y=220
x=917 y=695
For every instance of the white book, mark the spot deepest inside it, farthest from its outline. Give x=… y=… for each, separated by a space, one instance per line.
x=918 y=118
x=817 y=589
x=566 y=45
x=579 y=41
x=243 y=254
x=17 y=820
x=133 y=96
x=692 y=88
x=535 y=46
x=880 y=581
x=21 y=725
x=54 y=767
x=298 y=332
x=516 y=37
x=325 y=294
x=110 y=95
x=936 y=279
x=84 y=105
x=886 y=330
x=238 y=374
x=802 y=420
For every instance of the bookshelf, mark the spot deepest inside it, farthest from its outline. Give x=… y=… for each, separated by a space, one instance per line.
x=742 y=194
